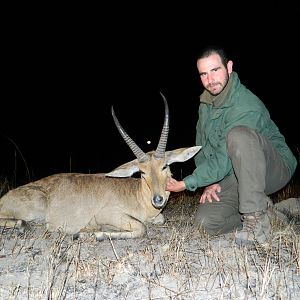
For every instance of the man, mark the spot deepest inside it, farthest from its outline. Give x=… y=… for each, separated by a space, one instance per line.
x=244 y=157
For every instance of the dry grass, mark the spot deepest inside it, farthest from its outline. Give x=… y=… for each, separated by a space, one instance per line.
x=177 y=260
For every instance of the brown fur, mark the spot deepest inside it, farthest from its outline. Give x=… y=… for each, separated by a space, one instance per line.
x=98 y=203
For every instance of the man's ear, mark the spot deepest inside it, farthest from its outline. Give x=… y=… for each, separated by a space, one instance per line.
x=229 y=66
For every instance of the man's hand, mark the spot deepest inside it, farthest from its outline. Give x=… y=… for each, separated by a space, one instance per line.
x=211 y=192
x=175 y=186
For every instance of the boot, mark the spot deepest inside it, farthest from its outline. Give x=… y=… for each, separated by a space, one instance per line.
x=256 y=229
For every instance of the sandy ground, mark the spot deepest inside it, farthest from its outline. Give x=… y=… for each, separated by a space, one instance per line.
x=177 y=260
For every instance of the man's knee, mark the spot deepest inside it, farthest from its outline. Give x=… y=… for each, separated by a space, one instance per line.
x=210 y=223
x=238 y=138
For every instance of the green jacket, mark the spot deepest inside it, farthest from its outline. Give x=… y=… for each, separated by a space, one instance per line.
x=235 y=106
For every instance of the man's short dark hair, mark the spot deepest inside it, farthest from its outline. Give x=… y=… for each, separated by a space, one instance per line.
x=209 y=50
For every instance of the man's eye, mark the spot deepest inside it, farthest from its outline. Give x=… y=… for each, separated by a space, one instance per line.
x=216 y=69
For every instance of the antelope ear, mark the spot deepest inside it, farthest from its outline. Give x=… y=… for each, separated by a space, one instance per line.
x=125 y=170
x=181 y=154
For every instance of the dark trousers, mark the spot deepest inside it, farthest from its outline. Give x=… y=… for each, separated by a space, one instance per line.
x=258 y=171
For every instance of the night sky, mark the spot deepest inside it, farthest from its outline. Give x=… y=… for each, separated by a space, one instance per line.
x=64 y=67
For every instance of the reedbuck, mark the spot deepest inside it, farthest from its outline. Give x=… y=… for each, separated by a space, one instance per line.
x=100 y=203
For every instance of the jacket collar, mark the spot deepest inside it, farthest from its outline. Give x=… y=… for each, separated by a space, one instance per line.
x=220 y=99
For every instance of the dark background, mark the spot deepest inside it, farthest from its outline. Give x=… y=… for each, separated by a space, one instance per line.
x=63 y=67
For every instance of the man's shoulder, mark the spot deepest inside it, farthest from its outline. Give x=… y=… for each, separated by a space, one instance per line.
x=246 y=99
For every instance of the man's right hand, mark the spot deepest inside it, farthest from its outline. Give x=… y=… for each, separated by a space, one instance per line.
x=175 y=186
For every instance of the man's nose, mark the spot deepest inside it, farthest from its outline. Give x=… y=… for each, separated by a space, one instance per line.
x=210 y=78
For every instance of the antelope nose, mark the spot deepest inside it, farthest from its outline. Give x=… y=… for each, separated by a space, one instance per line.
x=158 y=201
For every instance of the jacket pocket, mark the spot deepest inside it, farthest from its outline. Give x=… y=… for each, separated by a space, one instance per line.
x=215 y=137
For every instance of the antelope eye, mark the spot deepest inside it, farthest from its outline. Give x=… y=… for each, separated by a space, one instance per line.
x=165 y=167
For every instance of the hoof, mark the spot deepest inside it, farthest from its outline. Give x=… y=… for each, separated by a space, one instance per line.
x=75 y=236
x=21 y=226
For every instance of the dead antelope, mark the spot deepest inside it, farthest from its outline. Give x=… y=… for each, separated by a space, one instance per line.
x=100 y=203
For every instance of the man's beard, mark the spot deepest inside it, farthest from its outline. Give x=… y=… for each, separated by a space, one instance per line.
x=214 y=84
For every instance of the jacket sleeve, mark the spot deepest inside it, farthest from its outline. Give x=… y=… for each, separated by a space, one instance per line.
x=213 y=162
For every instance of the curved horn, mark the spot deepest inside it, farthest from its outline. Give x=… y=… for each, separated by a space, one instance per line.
x=140 y=155
x=161 y=147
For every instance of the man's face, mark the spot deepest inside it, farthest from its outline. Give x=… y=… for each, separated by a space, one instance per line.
x=213 y=74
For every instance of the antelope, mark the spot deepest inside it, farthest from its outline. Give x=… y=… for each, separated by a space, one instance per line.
x=113 y=205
